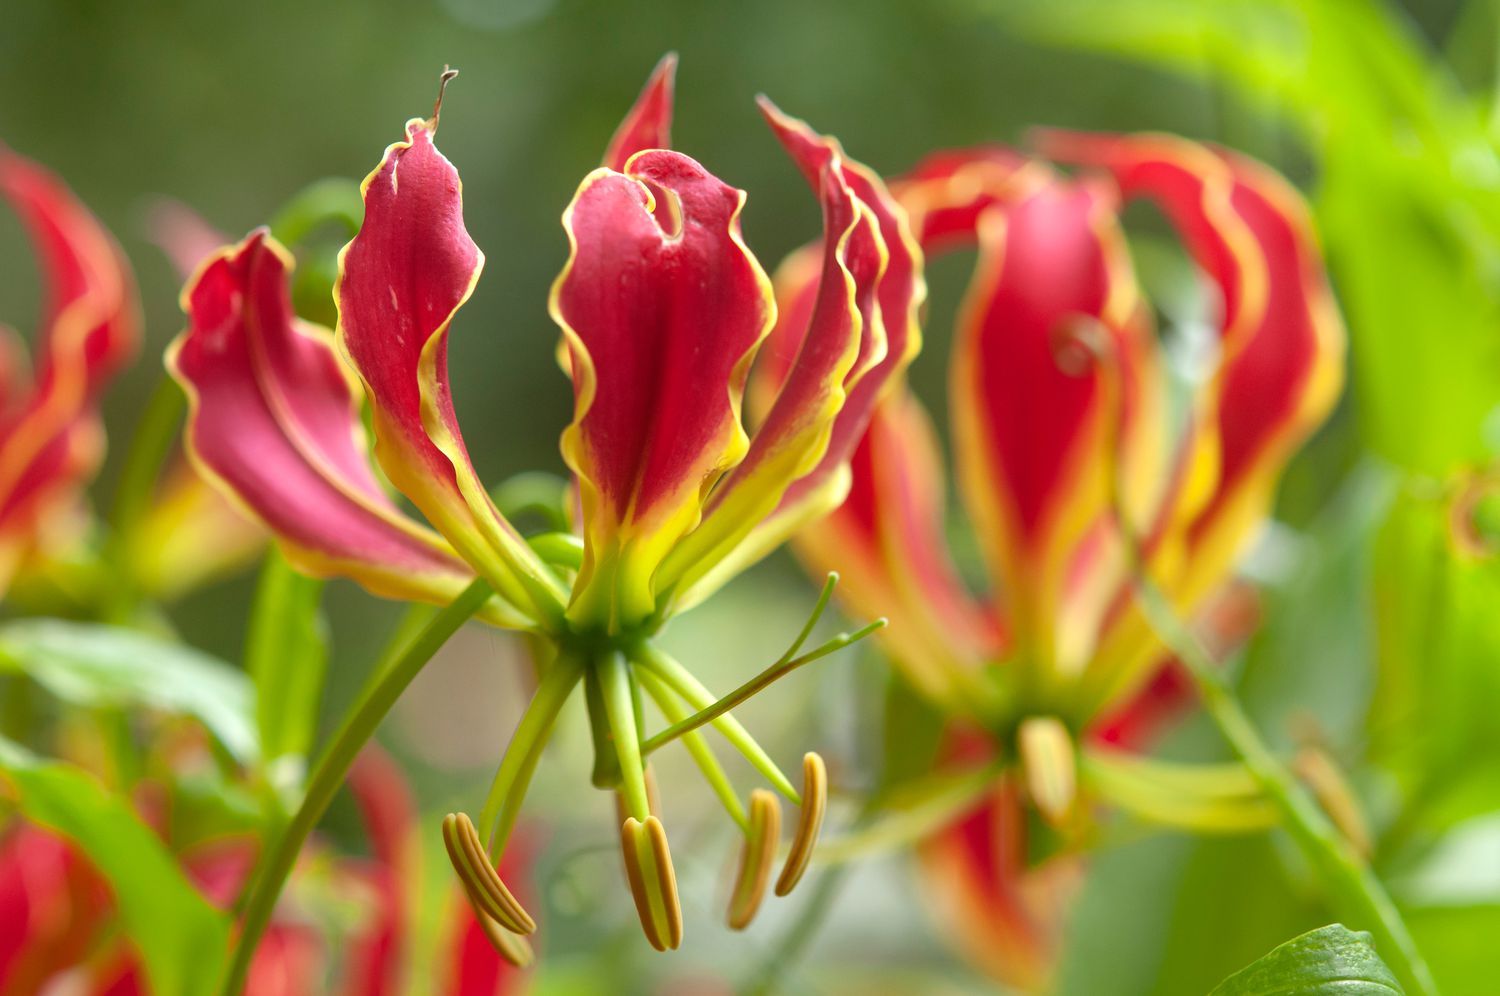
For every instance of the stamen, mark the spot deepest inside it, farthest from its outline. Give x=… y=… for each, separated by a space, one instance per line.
x=1050 y=766
x=653 y=798
x=1321 y=774
x=653 y=883
x=483 y=883
x=809 y=822
x=697 y=748
x=783 y=667
x=512 y=947
x=755 y=858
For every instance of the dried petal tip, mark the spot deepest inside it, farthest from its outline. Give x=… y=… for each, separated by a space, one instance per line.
x=653 y=883
x=1050 y=764
x=486 y=890
x=761 y=838
x=437 y=105
x=809 y=822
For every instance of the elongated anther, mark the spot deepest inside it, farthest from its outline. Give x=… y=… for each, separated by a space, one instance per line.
x=1332 y=790
x=809 y=822
x=1050 y=765
x=756 y=858
x=480 y=879
x=653 y=883
x=512 y=947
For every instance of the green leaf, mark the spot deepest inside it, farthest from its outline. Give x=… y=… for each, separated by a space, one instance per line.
x=109 y=667
x=1329 y=961
x=179 y=934
x=286 y=654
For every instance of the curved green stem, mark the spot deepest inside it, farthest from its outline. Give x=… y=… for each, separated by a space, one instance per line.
x=503 y=803
x=399 y=665
x=1353 y=885
x=682 y=681
x=149 y=447
x=697 y=747
x=619 y=706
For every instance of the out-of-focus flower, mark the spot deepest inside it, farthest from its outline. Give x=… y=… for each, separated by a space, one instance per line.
x=51 y=437
x=662 y=308
x=1065 y=417
x=59 y=927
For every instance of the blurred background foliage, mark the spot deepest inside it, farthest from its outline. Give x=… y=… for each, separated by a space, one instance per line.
x=1382 y=640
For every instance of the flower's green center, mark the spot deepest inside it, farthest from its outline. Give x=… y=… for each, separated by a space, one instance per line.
x=619 y=672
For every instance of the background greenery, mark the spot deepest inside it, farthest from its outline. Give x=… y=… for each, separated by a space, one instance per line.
x=1374 y=627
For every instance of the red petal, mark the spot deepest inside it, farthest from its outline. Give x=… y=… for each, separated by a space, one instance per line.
x=1032 y=437
x=50 y=437
x=401 y=280
x=661 y=307
x=649 y=123
x=274 y=421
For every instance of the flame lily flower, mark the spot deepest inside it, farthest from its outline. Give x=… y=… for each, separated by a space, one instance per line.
x=51 y=437
x=662 y=308
x=1064 y=424
x=60 y=930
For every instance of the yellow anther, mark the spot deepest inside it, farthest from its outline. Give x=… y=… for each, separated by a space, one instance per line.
x=1050 y=765
x=512 y=947
x=481 y=881
x=809 y=822
x=653 y=884
x=761 y=838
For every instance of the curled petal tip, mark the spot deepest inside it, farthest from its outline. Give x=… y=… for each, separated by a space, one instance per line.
x=809 y=822
x=759 y=851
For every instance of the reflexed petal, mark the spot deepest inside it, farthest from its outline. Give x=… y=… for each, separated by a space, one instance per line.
x=1282 y=341
x=887 y=541
x=274 y=421
x=1033 y=439
x=848 y=331
x=649 y=123
x=661 y=307
x=401 y=280
x=813 y=367
x=50 y=437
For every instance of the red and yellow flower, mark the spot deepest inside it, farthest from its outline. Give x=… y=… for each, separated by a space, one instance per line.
x=662 y=308
x=1067 y=415
x=51 y=436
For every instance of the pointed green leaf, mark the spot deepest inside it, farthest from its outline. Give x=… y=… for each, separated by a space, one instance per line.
x=1329 y=961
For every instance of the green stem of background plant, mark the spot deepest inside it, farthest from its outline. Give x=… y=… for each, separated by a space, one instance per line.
x=152 y=442
x=398 y=666
x=1352 y=884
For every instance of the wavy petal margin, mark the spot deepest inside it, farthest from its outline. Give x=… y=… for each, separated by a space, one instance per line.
x=648 y=125
x=662 y=307
x=51 y=440
x=274 y=422
x=401 y=281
